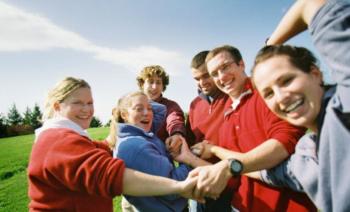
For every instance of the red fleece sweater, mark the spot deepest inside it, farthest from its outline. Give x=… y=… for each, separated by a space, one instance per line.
x=70 y=172
x=174 y=122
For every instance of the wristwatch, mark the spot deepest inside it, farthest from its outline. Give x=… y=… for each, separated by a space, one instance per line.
x=236 y=167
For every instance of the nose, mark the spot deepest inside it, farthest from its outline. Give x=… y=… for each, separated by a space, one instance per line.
x=145 y=112
x=86 y=107
x=221 y=76
x=154 y=85
x=281 y=95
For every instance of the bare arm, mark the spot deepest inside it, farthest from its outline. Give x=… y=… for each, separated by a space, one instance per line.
x=265 y=156
x=136 y=183
x=295 y=20
x=186 y=156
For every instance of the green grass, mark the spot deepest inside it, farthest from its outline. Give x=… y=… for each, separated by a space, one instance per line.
x=14 y=155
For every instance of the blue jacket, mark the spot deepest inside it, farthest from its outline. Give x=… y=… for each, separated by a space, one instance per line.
x=145 y=152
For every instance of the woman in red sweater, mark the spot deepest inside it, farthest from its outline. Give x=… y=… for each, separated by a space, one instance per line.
x=70 y=172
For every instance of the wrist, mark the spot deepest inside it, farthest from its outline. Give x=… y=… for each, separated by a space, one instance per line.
x=235 y=167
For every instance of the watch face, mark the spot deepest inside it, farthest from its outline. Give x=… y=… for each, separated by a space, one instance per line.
x=236 y=167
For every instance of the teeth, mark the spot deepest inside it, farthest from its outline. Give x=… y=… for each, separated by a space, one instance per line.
x=228 y=83
x=293 y=106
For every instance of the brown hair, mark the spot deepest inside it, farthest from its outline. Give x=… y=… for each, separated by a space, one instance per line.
x=299 y=57
x=150 y=71
x=122 y=105
x=199 y=59
x=60 y=92
x=233 y=51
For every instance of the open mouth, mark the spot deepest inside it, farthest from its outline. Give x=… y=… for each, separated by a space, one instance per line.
x=145 y=122
x=294 y=106
x=227 y=85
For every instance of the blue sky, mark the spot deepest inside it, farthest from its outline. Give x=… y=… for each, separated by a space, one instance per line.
x=108 y=42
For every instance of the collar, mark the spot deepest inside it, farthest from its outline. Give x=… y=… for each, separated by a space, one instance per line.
x=125 y=130
x=207 y=98
x=60 y=122
x=248 y=89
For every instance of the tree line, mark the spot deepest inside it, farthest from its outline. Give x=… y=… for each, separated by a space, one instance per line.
x=16 y=123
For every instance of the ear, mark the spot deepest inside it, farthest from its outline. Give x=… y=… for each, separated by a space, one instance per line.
x=56 y=106
x=124 y=115
x=241 y=64
x=316 y=74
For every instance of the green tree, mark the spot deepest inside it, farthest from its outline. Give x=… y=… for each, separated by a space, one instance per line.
x=2 y=126
x=27 y=116
x=14 y=117
x=95 y=122
x=36 y=117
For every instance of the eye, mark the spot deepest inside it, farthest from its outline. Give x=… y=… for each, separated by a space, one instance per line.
x=214 y=74
x=224 y=67
x=287 y=81
x=138 y=109
x=77 y=103
x=268 y=94
x=206 y=76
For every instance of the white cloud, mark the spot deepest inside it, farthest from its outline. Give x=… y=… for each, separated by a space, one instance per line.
x=24 y=31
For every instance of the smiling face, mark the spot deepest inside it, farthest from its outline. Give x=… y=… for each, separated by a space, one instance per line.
x=153 y=87
x=78 y=107
x=139 y=112
x=227 y=74
x=290 y=93
x=205 y=83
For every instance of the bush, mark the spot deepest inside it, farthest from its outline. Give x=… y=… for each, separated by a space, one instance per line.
x=19 y=130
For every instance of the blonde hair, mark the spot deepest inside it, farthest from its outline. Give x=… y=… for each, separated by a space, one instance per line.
x=60 y=92
x=122 y=105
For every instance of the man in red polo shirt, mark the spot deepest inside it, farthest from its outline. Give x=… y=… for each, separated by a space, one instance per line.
x=205 y=116
x=250 y=128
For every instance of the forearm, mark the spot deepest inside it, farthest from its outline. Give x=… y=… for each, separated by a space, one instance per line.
x=223 y=153
x=295 y=20
x=195 y=161
x=265 y=156
x=140 y=184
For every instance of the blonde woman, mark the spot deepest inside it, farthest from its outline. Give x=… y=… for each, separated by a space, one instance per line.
x=70 y=172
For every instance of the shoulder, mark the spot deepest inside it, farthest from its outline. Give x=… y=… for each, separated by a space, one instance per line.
x=168 y=102
x=61 y=136
x=196 y=101
x=132 y=143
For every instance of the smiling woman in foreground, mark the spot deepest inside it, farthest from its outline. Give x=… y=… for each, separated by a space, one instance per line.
x=70 y=172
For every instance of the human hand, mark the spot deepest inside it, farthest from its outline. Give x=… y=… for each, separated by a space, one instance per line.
x=203 y=149
x=173 y=144
x=187 y=187
x=212 y=180
x=185 y=155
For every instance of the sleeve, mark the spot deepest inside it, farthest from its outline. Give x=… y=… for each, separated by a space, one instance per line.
x=276 y=128
x=81 y=165
x=143 y=156
x=330 y=31
x=298 y=172
x=280 y=176
x=159 y=115
x=175 y=120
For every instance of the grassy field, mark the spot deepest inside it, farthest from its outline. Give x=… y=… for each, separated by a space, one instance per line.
x=14 y=155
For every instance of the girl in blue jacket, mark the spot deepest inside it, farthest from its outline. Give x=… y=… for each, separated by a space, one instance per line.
x=134 y=122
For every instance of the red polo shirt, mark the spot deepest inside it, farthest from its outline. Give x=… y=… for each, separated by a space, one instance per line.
x=247 y=126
